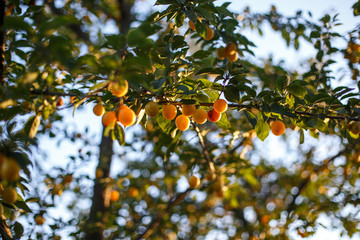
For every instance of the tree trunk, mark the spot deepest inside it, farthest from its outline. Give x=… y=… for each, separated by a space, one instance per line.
x=2 y=42
x=5 y=231
x=101 y=199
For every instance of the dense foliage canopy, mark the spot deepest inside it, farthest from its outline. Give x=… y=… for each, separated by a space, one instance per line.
x=58 y=55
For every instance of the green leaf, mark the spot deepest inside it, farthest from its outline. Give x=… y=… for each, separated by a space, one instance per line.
x=157 y=84
x=356 y=8
x=251 y=117
x=149 y=28
x=17 y=23
x=223 y=122
x=191 y=15
x=297 y=90
x=164 y=2
x=210 y=70
x=281 y=83
x=115 y=41
x=58 y=22
x=178 y=42
x=317 y=123
x=290 y=100
x=28 y=77
x=319 y=55
x=242 y=87
x=262 y=128
x=119 y=134
x=231 y=93
x=18 y=229
x=203 y=10
x=315 y=34
x=349 y=95
x=22 y=205
x=201 y=54
x=35 y=123
x=179 y=19
x=78 y=103
x=22 y=160
x=137 y=38
x=164 y=124
x=99 y=85
x=200 y=28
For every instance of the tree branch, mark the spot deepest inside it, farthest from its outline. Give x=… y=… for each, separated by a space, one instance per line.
x=50 y=93
x=156 y=219
x=206 y=104
x=291 y=207
x=206 y=153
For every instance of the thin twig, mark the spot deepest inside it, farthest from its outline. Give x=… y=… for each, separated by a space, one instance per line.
x=206 y=153
x=156 y=219
x=49 y=93
x=304 y=183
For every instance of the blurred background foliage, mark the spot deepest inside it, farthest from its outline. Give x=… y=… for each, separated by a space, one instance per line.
x=69 y=51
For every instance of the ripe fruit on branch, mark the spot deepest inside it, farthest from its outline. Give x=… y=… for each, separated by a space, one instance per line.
x=277 y=127
x=39 y=220
x=214 y=116
x=230 y=49
x=220 y=105
x=200 y=116
x=60 y=102
x=9 y=195
x=58 y=189
x=188 y=110
x=209 y=33
x=109 y=119
x=194 y=181
x=72 y=99
x=99 y=109
x=182 y=122
x=133 y=192
x=210 y=176
x=68 y=178
x=221 y=53
x=126 y=116
x=10 y=170
x=233 y=57
x=152 y=109
x=192 y=25
x=169 y=111
x=119 y=89
x=114 y=195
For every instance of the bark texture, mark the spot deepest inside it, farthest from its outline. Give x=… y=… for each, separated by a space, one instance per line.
x=2 y=42
x=101 y=199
